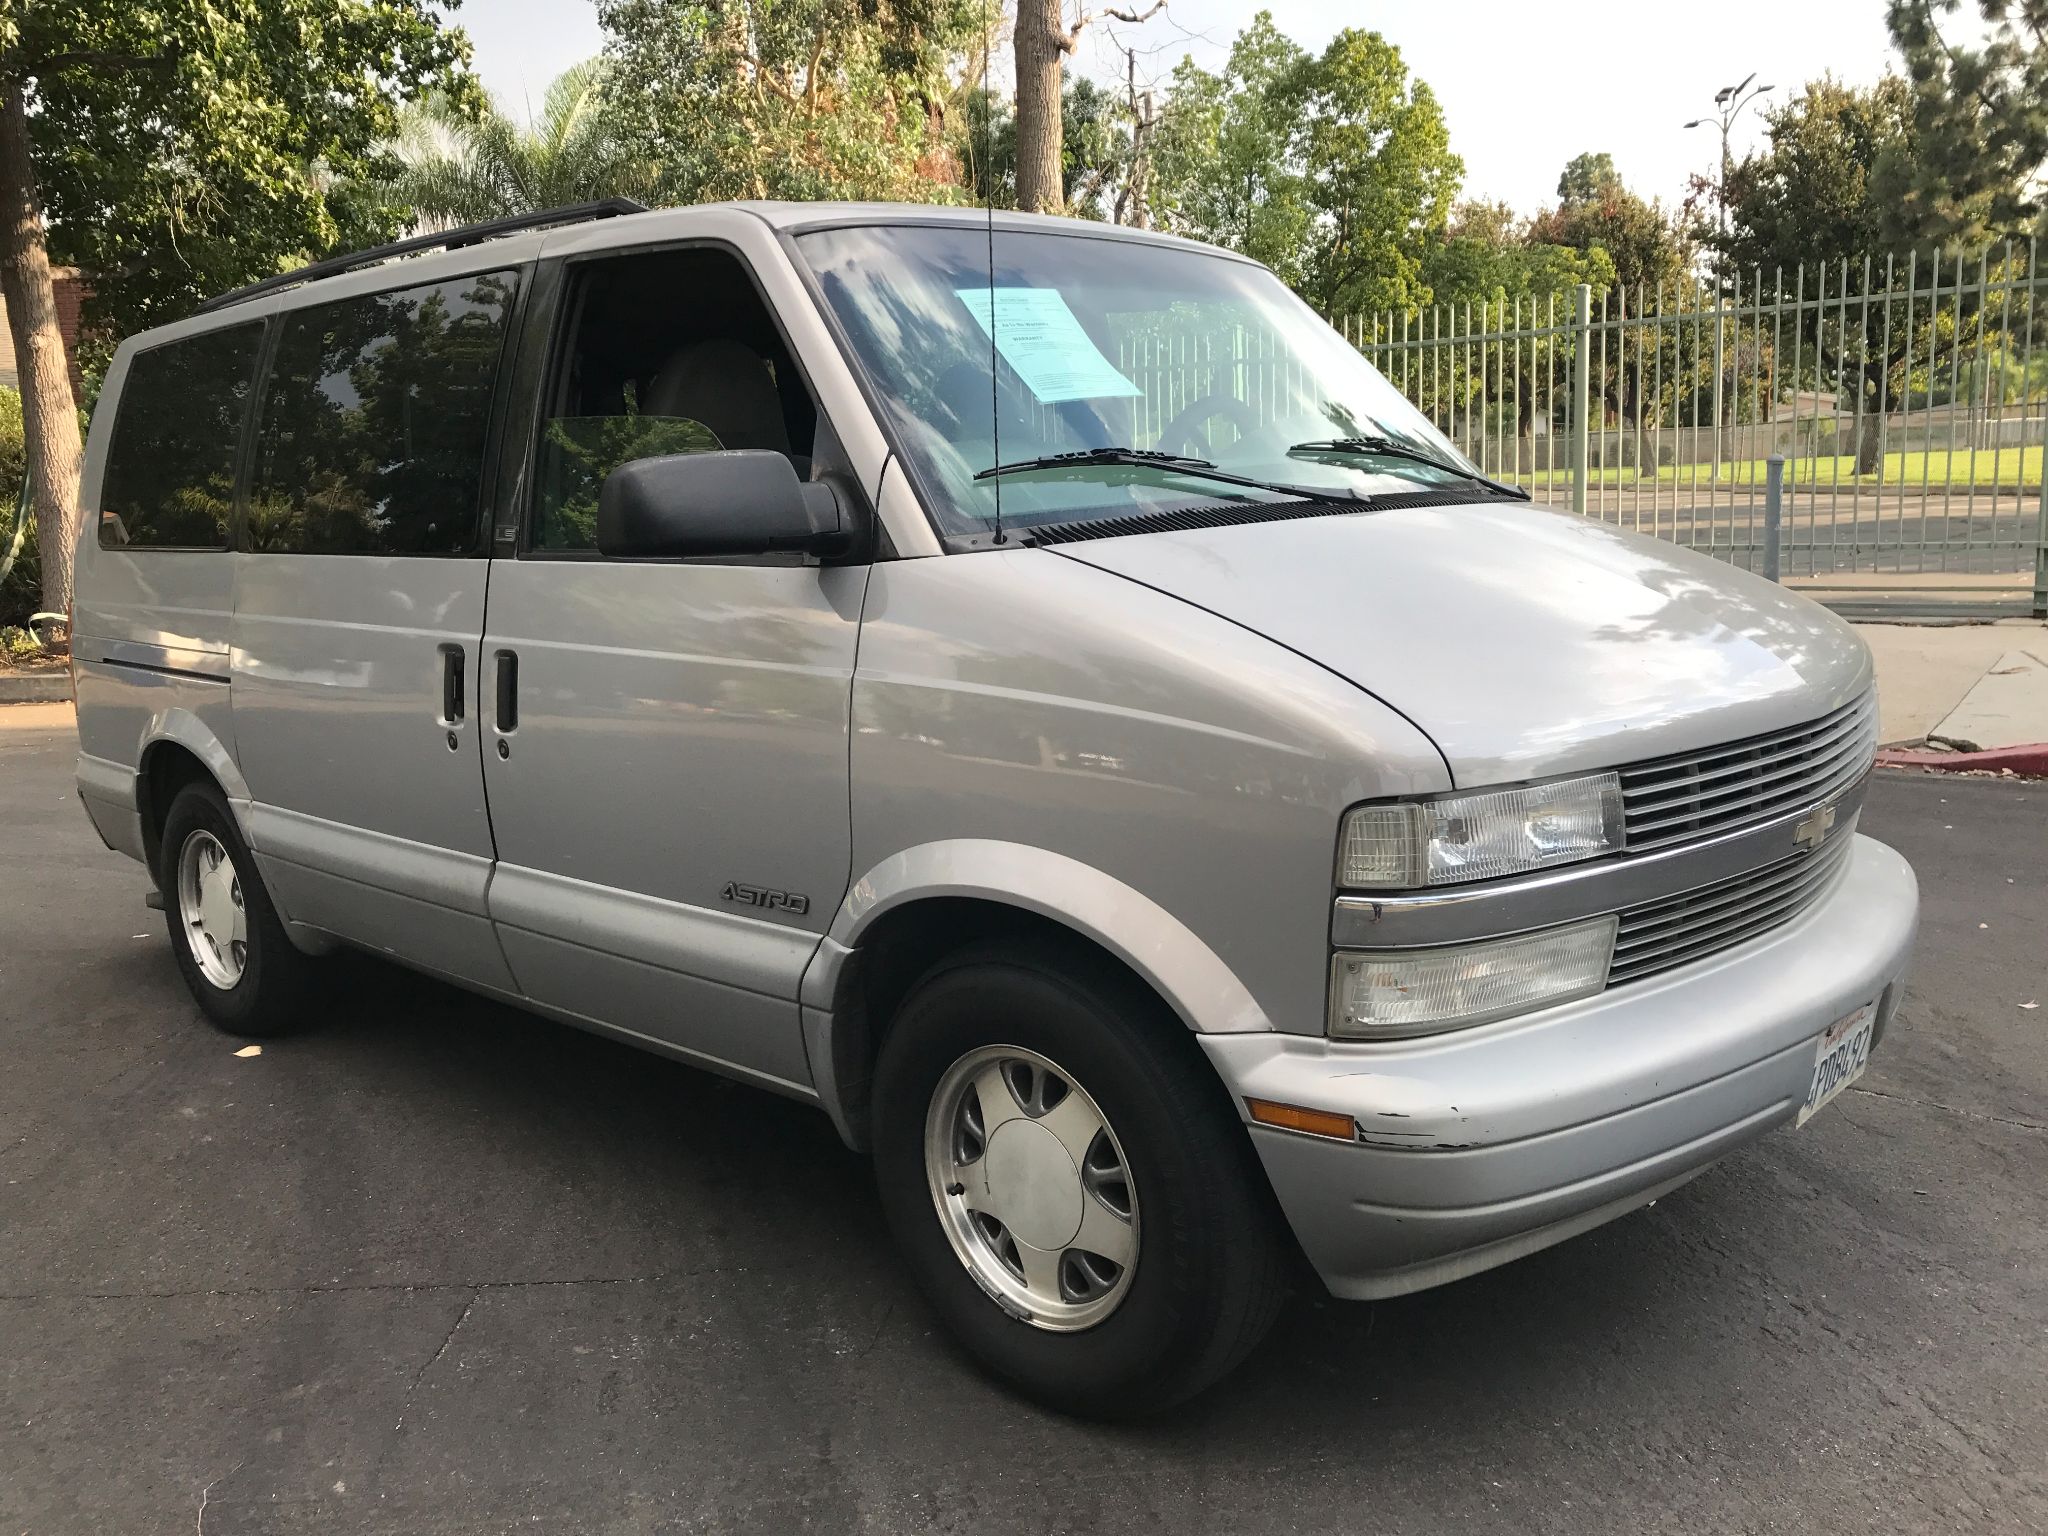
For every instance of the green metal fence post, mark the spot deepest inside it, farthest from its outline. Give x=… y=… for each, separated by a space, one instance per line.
x=1720 y=350
x=2040 y=527
x=1582 y=392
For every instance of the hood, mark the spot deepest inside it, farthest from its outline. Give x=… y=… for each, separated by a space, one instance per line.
x=1524 y=642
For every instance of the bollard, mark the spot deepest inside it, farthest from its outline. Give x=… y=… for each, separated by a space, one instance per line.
x=1774 y=514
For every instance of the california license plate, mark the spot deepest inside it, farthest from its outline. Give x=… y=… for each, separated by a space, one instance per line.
x=1839 y=1059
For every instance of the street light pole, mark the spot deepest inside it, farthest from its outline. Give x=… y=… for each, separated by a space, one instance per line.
x=1728 y=104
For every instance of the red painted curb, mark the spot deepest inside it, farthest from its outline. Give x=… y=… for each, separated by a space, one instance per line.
x=2031 y=759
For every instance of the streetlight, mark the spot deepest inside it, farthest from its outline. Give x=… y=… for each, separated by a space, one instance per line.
x=1728 y=104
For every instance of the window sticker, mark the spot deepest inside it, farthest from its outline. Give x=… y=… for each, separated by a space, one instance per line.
x=1039 y=337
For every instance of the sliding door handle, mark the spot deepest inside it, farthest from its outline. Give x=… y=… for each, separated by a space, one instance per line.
x=451 y=685
x=508 y=692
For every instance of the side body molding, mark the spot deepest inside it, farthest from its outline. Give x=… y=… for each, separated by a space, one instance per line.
x=1184 y=971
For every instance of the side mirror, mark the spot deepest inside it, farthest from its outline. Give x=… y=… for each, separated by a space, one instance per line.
x=741 y=501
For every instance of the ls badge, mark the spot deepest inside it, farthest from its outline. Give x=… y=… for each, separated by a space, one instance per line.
x=1813 y=830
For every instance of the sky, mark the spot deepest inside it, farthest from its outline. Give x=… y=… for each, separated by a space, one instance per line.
x=1524 y=86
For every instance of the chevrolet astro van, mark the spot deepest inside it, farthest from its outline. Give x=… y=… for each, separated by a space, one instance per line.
x=1025 y=687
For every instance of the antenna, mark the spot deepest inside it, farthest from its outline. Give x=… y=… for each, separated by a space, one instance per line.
x=988 y=137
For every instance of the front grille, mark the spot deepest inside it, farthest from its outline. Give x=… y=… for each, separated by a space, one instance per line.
x=1677 y=929
x=1702 y=794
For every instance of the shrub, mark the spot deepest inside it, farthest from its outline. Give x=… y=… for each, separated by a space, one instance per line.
x=18 y=593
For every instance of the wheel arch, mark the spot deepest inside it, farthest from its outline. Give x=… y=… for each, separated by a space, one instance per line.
x=929 y=900
x=178 y=748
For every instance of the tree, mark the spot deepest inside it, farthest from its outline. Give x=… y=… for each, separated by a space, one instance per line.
x=1488 y=257
x=785 y=98
x=1816 y=192
x=1095 y=149
x=1224 y=152
x=1980 y=116
x=1810 y=208
x=1377 y=172
x=178 y=148
x=461 y=167
x=1336 y=170
x=1042 y=42
x=1588 y=178
x=1597 y=212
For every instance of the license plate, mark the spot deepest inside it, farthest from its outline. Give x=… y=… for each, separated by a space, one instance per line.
x=1839 y=1059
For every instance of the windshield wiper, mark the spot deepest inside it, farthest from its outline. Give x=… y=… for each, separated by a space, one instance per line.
x=1174 y=463
x=1390 y=448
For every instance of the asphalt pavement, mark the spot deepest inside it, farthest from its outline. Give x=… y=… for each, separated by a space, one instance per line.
x=437 y=1266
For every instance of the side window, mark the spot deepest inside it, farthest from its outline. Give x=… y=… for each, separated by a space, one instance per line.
x=374 y=418
x=663 y=352
x=170 y=475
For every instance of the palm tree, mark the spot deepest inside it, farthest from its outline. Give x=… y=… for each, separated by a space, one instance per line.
x=460 y=170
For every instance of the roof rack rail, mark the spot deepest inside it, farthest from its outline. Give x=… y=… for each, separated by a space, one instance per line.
x=447 y=240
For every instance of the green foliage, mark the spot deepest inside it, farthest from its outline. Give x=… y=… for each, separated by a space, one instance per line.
x=1488 y=258
x=1834 y=186
x=1817 y=191
x=17 y=644
x=786 y=98
x=1379 y=171
x=1598 y=213
x=1980 y=118
x=1588 y=178
x=1334 y=170
x=187 y=146
x=457 y=166
x=578 y=454
x=1224 y=152
x=18 y=586
x=1095 y=147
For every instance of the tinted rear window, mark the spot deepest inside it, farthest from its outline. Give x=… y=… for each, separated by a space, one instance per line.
x=374 y=421
x=170 y=477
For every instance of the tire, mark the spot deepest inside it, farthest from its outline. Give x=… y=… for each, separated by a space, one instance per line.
x=257 y=985
x=1209 y=1271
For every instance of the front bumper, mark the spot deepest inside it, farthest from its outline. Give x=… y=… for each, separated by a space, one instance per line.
x=1480 y=1146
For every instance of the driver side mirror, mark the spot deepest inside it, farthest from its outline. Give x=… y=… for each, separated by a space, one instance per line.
x=741 y=501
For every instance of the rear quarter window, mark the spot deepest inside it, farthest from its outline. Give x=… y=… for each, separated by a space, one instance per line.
x=170 y=475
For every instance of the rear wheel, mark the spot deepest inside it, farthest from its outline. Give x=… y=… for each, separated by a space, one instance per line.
x=1068 y=1183
x=244 y=973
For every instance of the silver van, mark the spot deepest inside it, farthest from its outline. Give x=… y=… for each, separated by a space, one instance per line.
x=1026 y=687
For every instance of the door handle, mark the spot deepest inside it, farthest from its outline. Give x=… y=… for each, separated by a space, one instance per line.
x=508 y=692
x=451 y=684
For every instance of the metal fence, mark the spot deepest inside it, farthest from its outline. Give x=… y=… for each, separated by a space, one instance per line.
x=1907 y=396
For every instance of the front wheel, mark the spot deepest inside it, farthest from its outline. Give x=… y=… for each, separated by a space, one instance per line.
x=1069 y=1185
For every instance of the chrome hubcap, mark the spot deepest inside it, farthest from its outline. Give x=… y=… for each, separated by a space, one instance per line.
x=210 y=907
x=1032 y=1188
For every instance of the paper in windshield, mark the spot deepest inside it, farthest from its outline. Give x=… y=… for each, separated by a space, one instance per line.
x=1039 y=337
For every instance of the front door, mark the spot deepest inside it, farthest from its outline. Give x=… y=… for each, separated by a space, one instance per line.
x=666 y=740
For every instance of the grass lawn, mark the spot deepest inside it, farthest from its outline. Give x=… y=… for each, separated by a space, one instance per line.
x=2009 y=468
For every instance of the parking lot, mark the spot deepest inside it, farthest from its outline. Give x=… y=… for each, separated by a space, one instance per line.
x=435 y=1266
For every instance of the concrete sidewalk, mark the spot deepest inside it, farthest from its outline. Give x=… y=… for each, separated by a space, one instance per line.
x=1974 y=688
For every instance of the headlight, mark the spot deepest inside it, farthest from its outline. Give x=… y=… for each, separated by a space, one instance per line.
x=1388 y=994
x=1479 y=836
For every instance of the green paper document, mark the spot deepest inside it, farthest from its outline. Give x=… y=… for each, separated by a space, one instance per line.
x=1039 y=337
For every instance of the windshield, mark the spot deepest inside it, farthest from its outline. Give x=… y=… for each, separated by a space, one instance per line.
x=1105 y=344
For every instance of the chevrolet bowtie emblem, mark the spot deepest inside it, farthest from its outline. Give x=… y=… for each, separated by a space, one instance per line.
x=1813 y=830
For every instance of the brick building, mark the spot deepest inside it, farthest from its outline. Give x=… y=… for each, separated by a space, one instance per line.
x=70 y=296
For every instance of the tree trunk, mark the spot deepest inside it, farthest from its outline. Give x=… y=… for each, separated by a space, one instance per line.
x=49 y=414
x=1041 y=44
x=1870 y=447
